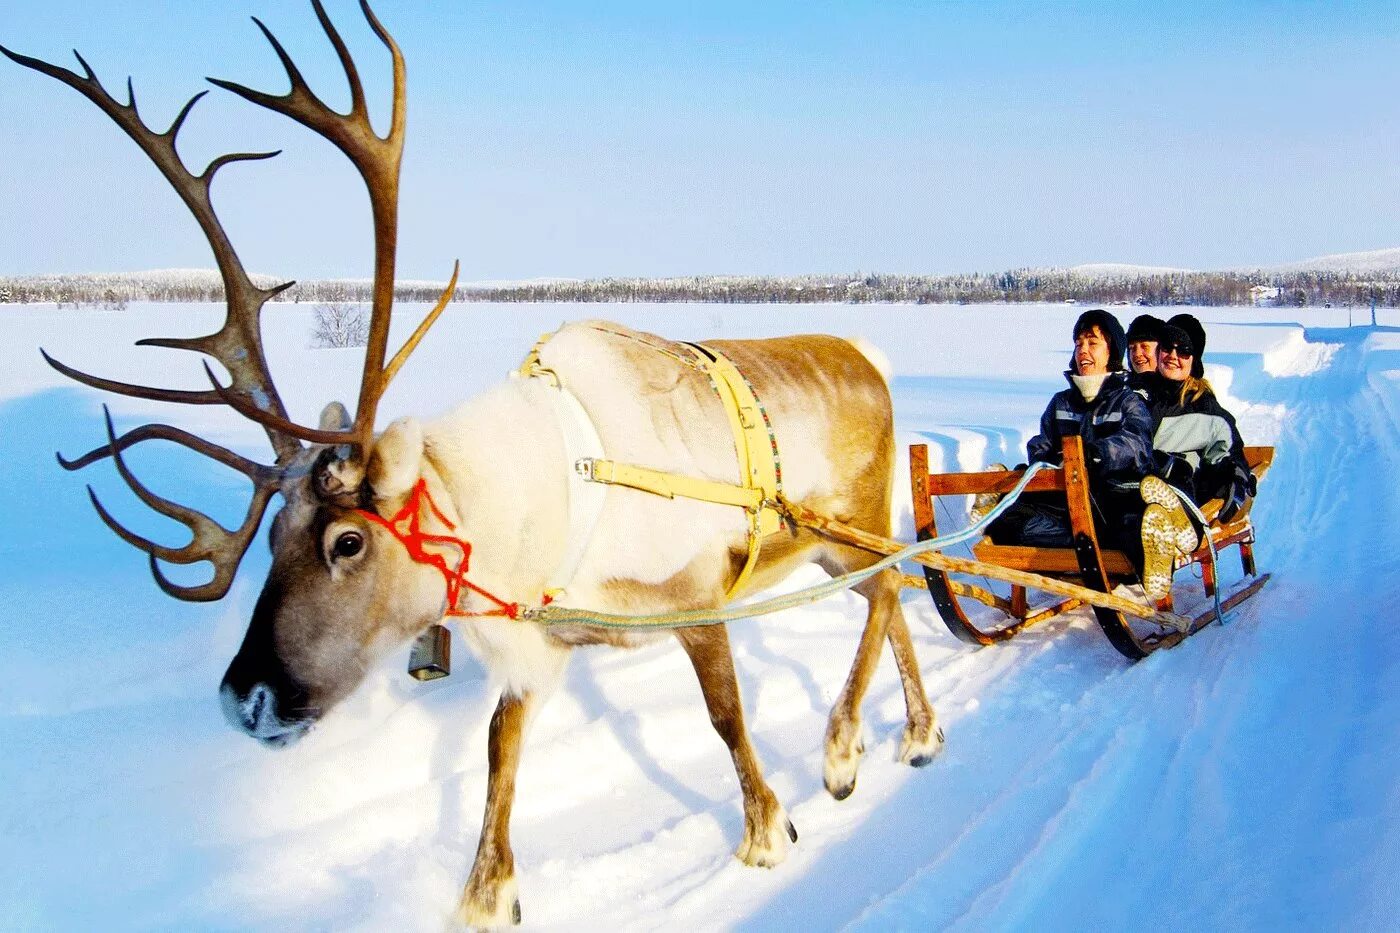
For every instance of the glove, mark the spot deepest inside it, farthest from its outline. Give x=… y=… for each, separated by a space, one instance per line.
x=1094 y=458
x=1173 y=468
x=1242 y=485
x=1043 y=449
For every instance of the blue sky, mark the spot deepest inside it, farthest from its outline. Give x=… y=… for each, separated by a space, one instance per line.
x=593 y=139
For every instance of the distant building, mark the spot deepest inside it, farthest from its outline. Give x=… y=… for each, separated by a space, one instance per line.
x=1264 y=295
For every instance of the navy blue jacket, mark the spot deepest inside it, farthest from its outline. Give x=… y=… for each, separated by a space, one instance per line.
x=1116 y=427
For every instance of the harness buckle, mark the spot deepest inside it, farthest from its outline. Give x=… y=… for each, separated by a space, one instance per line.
x=583 y=466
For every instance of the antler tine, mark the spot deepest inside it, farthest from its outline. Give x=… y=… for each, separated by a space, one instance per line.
x=209 y=540
x=197 y=550
x=185 y=396
x=411 y=343
x=256 y=472
x=352 y=75
x=377 y=159
x=174 y=129
x=238 y=343
x=269 y=420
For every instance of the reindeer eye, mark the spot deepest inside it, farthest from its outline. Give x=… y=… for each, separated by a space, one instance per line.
x=348 y=544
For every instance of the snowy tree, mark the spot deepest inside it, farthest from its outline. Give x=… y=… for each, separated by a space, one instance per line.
x=340 y=324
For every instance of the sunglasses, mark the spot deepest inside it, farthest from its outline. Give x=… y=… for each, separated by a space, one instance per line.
x=1180 y=349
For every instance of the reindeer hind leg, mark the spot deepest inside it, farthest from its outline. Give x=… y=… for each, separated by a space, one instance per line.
x=767 y=829
x=922 y=738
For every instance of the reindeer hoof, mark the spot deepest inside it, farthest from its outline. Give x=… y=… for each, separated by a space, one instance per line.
x=918 y=750
x=490 y=909
x=841 y=793
x=843 y=750
x=767 y=847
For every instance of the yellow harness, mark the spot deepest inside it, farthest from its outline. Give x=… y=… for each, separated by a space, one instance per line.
x=755 y=445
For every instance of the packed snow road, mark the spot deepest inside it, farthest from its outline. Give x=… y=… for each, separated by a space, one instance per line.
x=1247 y=779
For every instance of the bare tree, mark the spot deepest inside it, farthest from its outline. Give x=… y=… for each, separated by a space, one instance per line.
x=340 y=324
x=111 y=301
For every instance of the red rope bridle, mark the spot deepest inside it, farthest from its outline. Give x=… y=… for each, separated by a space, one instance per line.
x=407 y=527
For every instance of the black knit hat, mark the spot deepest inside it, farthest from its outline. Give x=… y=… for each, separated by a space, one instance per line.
x=1112 y=331
x=1145 y=327
x=1197 y=333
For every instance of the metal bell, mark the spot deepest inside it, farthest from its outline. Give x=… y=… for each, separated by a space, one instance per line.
x=431 y=656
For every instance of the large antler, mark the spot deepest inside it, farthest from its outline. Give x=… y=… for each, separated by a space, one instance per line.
x=237 y=345
x=377 y=159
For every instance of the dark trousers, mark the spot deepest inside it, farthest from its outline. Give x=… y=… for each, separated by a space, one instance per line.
x=1041 y=519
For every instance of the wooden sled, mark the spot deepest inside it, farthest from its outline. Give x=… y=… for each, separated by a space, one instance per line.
x=1093 y=566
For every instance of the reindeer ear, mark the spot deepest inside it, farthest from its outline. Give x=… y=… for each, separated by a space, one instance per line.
x=334 y=417
x=397 y=460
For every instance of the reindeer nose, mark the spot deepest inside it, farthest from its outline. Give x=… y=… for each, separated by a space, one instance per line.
x=257 y=714
x=250 y=712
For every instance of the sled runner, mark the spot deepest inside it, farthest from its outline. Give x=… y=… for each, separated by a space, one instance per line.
x=1092 y=565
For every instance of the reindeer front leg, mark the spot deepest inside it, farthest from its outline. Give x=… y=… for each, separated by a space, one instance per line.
x=767 y=828
x=489 y=899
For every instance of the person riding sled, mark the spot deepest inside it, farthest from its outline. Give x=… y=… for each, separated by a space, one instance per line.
x=1143 y=336
x=1102 y=407
x=1197 y=449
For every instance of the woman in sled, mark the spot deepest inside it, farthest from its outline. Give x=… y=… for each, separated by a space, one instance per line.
x=1102 y=406
x=1197 y=449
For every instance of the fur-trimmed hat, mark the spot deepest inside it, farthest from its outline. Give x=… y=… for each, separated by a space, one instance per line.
x=1145 y=327
x=1193 y=329
x=1112 y=332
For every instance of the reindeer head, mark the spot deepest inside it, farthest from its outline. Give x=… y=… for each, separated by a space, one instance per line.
x=341 y=588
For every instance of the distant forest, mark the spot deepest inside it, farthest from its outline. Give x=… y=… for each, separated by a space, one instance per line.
x=1291 y=289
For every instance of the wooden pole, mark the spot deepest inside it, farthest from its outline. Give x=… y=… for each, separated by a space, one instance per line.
x=882 y=545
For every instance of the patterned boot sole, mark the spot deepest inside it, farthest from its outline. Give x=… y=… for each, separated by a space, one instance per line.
x=1166 y=533
x=1155 y=491
x=1158 y=552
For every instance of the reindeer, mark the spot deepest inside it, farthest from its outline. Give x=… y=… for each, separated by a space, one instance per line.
x=489 y=483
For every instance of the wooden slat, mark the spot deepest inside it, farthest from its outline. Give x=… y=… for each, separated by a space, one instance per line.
x=1049 y=612
x=1237 y=532
x=924 y=524
x=1046 y=559
x=986 y=597
x=1244 y=591
x=964 y=484
x=1259 y=459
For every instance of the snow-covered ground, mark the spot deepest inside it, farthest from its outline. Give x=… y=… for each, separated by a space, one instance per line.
x=1244 y=780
